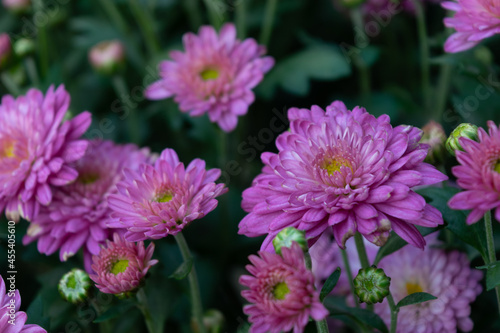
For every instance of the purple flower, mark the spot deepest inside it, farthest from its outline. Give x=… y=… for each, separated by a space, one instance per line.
x=121 y=266
x=345 y=170
x=11 y=319
x=479 y=174
x=474 y=21
x=161 y=200
x=282 y=293
x=36 y=147
x=79 y=212
x=215 y=75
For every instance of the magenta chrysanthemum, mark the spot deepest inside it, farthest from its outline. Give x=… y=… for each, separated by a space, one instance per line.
x=215 y=75
x=479 y=174
x=474 y=21
x=11 y=319
x=121 y=266
x=282 y=293
x=79 y=212
x=36 y=147
x=161 y=200
x=346 y=170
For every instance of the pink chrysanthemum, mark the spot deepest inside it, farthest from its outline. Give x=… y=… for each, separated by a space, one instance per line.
x=281 y=291
x=346 y=170
x=79 y=212
x=121 y=266
x=479 y=174
x=474 y=21
x=215 y=75
x=35 y=149
x=10 y=302
x=161 y=200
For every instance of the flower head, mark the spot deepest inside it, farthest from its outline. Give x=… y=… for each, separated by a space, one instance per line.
x=371 y=285
x=464 y=130
x=479 y=174
x=10 y=302
x=282 y=293
x=345 y=170
x=163 y=198
x=473 y=21
x=215 y=75
x=79 y=212
x=121 y=266
x=435 y=137
x=36 y=149
x=74 y=286
x=287 y=236
x=107 y=57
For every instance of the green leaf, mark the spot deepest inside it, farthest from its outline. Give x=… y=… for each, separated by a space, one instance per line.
x=330 y=283
x=415 y=298
x=183 y=270
x=115 y=311
x=35 y=313
x=492 y=274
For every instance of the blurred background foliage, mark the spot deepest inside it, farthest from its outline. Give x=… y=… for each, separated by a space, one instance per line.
x=312 y=43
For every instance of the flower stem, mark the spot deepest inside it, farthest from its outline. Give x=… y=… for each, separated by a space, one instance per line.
x=267 y=25
x=32 y=71
x=359 y=62
x=196 y=307
x=349 y=275
x=240 y=18
x=322 y=326
x=424 y=53
x=491 y=247
x=394 y=313
x=363 y=258
x=121 y=90
x=215 y=10
x=10 y=84
x=442 y=90
x=144 y=307
x=145 y=21
x=42 y=39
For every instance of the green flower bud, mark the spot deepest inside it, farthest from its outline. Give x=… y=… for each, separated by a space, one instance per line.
x=435 y=137
x=107 y=57
x=213 y=321
x=464 y=130
x=24 y=47
x=371 y=285
x=287 y=236
x=74 y=286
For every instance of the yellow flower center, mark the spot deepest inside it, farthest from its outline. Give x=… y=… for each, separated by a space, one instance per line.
x=88 y=178
x=7 y=150
x=280 y=290
x=412 y=288
x=497 y=166
x=332 y=165
x=209 y=74
x=119 y=266
x=164 y=197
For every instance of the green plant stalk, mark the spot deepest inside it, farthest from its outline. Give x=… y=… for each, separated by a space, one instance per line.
x=10 y=84
x=442 y=90
x=196 y=306
x=424 y=54
x=322 y=326
x=363 y=258
x=115 y=15
x=192 y=8
x=240 y=18
x=215 y=16
x=144 y=307
x=121 y=90
x=491 y=248
x=308 y=261
x=347 y=266
x=104 y=326
x=394 y=313
x=42 y=40
x=145 y=21
x=32 y=71
x=267 y=24
x=363 y=69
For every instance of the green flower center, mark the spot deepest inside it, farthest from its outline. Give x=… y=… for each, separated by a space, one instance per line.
x=7 y=150
x=88 y=178
x=332 y=165
x=71 y=284
x=497 y=166
x=412 y=288
x=209 y=74
x=119 y=266
x=280 y=290
x=164 y=197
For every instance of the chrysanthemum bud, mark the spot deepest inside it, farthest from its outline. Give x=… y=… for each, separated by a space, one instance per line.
x=435 y=137
x=464 y=130
x=371 y=285
x=287 y=236
x=213 y=320
x=17 y=6
x=74 y=286
x=24 y=47
x=5 y=49
x=107 y=57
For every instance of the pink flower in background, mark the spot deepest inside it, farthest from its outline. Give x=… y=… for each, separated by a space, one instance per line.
x=107 y=57
x=345 y=170
x=121 y=266
x=79 y=212
x=282 y=293
x=17 y=5
x=161 y=200
x=36 y=149
x=215 y=75
x=479 y=174
x=473 y=21
x=11 y=302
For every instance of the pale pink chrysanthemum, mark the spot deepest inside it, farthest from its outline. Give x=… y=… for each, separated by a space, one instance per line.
x=478 y=174
x=215 y=75
x=36 y=148
x=121 y=266
x=79 y=212
x=11 y=319
x=473 y=21
x=345 y=170
x=282 y=293
x=161 y=200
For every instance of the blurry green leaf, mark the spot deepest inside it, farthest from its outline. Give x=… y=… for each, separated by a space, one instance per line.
x=330 y=283
x=115 y=311
x=415 y=298
x=370 y=55
x=492 y=274
x=183 y=270
x=35 y=313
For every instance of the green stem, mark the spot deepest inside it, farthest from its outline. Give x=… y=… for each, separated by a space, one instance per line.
x=394 y=313
x=30 y=65
x=442 y=90
x=424 y=53
x=196 y=306
x=145 y=22
x=491 y=247
x=347 y=266
x=322 y=326
x=121 y=90
x=308 y=260
x=267 y=25
x=363 y=258
x=215 y=12
x=144 y=307
x=42 y=39
x=362 y=67
x=10 y=84
x=115 y=15
x=240 y=18
x=104 y=326
x=192 y=8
